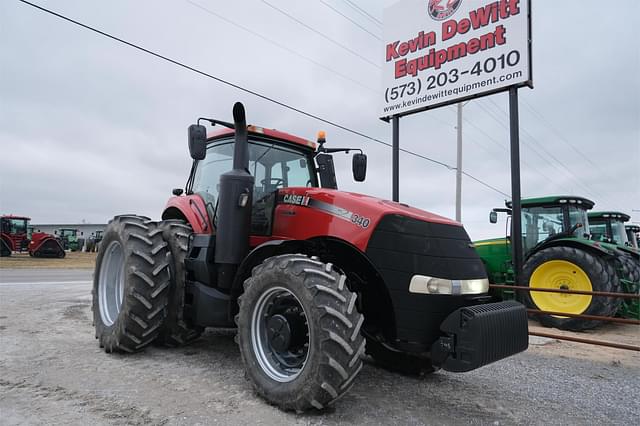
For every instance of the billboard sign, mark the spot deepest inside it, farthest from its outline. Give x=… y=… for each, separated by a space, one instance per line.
x=439 y=52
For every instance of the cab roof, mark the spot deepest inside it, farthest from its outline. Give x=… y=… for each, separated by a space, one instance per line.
x=10 y=216
x=633 y=228
x=555 y=200
x=609 y=215
x=261 y=131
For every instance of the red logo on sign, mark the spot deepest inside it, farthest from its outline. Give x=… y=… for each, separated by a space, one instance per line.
x=442 y=9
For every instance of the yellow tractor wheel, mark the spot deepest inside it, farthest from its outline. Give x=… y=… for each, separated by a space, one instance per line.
x=563 y=275
x=570 y=268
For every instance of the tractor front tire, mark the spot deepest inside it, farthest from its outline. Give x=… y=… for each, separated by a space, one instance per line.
x=299 y=332
x=131 y=284
x=176 y=331
x=572 y=269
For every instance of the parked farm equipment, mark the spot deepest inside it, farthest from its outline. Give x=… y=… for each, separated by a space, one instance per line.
x=262 y=240
x=609 y=228
x=69 y=238
x=559 y=254
x=17 y=235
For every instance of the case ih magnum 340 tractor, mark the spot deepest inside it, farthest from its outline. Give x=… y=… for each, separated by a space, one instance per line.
x=15 y=237
x=307 y=273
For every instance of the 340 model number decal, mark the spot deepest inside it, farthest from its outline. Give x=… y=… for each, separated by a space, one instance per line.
x=360 y=220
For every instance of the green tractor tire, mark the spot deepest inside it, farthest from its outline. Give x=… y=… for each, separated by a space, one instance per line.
x=629 y=268
x=570 y=268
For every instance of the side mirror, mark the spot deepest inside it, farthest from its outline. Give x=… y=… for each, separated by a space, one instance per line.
x=493 y=217
x=197 y=141
x=359 y=167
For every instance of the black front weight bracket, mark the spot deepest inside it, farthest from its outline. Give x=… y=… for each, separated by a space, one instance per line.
x=481 y=334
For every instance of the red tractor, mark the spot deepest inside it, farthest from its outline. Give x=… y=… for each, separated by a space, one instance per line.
x=16 y=236
x=262 y=240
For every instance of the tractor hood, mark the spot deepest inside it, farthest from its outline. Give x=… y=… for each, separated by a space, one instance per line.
x=347 y=203
x=304 y=213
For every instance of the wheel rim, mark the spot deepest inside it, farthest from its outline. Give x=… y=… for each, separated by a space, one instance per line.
x=561 y=274
x=111 y=283
x=280 y=335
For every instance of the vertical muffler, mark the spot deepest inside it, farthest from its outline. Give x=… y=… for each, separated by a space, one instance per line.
x=234 y=205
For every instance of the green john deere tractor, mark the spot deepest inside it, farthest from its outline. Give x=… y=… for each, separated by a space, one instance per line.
x=609 y=228
x=68 y=238
x=558 y=253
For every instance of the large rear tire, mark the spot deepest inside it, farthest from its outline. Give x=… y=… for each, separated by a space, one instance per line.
x=572 y=269
x=176 y=331
x=299 y=332
x=130 y=285
x=630 y=274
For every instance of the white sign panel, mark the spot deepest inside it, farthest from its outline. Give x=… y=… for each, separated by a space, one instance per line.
x=438 y=52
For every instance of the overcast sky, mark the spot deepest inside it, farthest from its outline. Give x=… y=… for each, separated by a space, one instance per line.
x=90 y=128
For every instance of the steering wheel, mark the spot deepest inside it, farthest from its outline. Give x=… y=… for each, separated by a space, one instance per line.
x=278 y=181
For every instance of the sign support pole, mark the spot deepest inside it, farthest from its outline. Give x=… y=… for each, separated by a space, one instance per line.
x=459 y=167
x=516 y=217
x=395 y=163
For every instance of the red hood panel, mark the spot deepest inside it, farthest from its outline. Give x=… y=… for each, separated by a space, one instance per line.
x=304 y=213
x=382 y=207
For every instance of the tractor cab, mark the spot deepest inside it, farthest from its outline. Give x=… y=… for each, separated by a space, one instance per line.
x=15 y=232
x=68 y=238
x=553 y=217
x=633 y=235
x=276 y=161
x=609 y=227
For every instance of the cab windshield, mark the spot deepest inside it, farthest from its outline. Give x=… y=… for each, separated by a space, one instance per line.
x=619 y=233
x=272 y=165
x=578 y=215
x=540 y=223
x=14 y=226
x=608 y=230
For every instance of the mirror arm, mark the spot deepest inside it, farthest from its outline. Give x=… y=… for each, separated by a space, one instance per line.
x=213 y=122
x=323 y=150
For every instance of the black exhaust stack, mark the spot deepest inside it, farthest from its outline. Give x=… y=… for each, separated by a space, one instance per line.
x=234 y=206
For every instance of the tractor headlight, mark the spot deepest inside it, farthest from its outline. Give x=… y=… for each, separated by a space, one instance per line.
x=433 y=285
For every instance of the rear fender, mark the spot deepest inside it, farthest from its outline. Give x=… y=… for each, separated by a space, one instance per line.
x=587 y=245
x=190 y=208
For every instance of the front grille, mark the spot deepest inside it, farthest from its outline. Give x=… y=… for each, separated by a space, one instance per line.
x=401 y=247
x=400 y=244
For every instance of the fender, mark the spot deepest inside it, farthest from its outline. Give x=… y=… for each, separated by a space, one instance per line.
x=376 y=301
x=264 y=251
x=592 y=246
x=190 y=208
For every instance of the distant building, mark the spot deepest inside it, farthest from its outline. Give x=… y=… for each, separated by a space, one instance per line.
x=85 y=230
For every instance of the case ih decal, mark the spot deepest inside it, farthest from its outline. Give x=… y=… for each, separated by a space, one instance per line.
x=303 y=200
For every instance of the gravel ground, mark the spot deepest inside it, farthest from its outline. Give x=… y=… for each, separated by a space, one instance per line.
x=52 y=372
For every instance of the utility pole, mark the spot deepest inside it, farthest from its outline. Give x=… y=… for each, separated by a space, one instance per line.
x=459 y=167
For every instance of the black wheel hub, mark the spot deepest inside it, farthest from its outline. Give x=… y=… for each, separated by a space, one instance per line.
x=279 y=332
